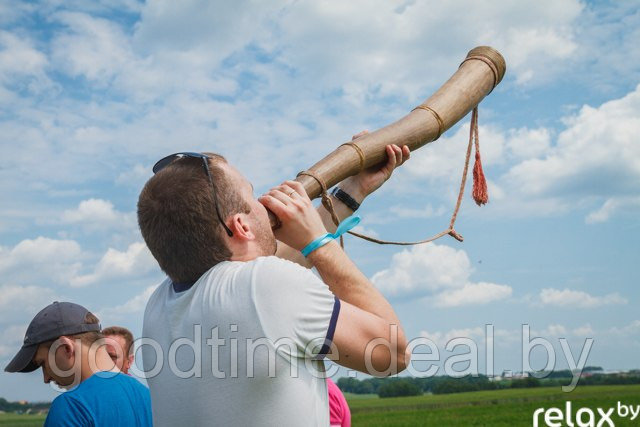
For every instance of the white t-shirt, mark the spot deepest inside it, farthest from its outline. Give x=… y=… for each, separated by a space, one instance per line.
x=270 y=315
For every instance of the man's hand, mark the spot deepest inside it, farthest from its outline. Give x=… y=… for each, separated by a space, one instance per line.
x=369 y=180
x=358 y=187
x=301 y=222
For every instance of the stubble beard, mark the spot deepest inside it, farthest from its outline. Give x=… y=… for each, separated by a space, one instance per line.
x=266 y=239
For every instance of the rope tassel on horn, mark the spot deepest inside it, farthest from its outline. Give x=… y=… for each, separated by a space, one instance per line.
x=480 y=193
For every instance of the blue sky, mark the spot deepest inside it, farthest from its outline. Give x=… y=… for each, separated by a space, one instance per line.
x=93 y=93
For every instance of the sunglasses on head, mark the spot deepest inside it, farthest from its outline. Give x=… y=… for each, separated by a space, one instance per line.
x=166 y=161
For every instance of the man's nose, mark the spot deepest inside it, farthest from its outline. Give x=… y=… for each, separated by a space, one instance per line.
x=47 y=377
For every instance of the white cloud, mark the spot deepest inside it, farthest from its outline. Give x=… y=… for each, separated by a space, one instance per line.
x=136 y=258
x=18 y=306
x=592 y=164
x=91 y=47
x=554 y=330
x=178 y=46
x=496 y=192
x=218 y=28
x=159 y=80
x=608 y=38
x=473 y=293
x=13 y=11
x=531 y=50
x=532 y=38
x=442 y=161
x=632 y=329
x=21 y=64
x=527 y=143
x=580 y=299
x=134 y=306
x=596 y=155
x=442 y=338
x=135 y=176
x=49 y=261
x=19 y=56
x=91 y=210
x=584 y=330
x=16 y=300
x=438 y=271
x=41 y=260
x=426 y=212
x=370 y=232
x=11 y=338
x=98 y=214
x=135 y=262
x=507 y=338
x=102 y=52
x=423 y=268
x=610 y=207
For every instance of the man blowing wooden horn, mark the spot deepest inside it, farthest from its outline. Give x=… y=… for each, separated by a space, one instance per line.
x=232 y=286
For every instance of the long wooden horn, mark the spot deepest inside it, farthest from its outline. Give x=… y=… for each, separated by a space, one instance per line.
x=479 y=73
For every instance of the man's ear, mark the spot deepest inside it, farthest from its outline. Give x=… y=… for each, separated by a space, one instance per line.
x=65 y=345
x=241 y=228
x=129 y=361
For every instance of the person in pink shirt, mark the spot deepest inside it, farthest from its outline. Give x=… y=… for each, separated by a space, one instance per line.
x=339 y=413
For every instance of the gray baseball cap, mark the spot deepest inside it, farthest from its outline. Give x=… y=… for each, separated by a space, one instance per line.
x=52 y=322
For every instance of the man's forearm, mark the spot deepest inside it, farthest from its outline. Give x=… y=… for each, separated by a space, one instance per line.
x=348 y=283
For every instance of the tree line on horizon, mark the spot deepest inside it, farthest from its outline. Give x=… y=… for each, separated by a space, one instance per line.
x=412 y=386
x=23 y=406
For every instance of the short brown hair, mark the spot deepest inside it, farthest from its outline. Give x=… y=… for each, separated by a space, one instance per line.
x=124 y=333
x=176 y=215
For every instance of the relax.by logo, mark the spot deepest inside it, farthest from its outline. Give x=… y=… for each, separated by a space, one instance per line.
x=584 y=417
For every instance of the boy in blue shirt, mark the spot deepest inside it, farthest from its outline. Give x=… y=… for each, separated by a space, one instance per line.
x=64 y=339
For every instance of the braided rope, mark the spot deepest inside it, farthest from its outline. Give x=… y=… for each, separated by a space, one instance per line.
x=435 y=115
x=326 y=200
x=491 y=65
x=359 y=151
x=473 y=137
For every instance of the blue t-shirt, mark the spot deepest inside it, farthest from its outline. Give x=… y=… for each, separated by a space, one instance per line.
x=104 y=399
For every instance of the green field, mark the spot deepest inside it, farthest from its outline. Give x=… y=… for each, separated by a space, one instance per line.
x=21 y=420
x=509 y=407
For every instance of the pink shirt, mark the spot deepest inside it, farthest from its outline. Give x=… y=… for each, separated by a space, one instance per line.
x=339 y=413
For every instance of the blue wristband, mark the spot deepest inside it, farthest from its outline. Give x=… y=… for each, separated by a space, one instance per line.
x=346 y=225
